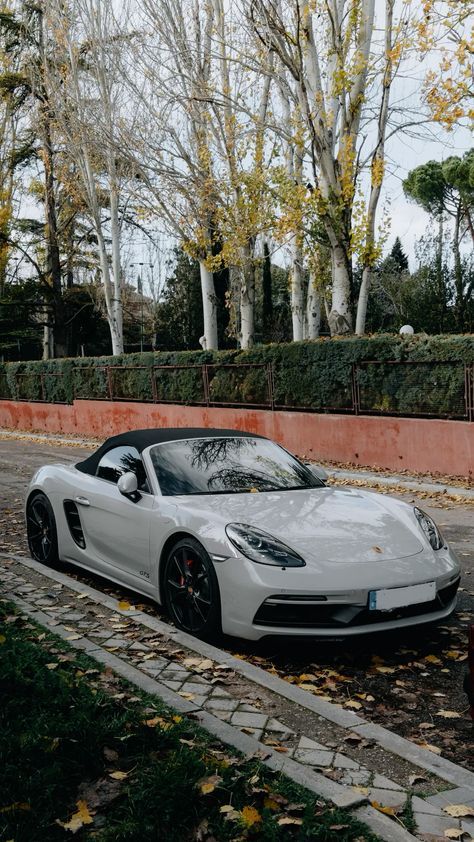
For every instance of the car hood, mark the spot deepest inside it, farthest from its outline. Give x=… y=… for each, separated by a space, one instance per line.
x=337 y=525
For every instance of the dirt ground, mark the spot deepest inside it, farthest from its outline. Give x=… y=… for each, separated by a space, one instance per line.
x=410 y=683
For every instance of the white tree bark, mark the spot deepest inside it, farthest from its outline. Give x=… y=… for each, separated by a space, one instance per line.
x=376 y=182
x=208 y=306
x=86 y=101
x=247 y=299
x=313 y=309
x=296 y=290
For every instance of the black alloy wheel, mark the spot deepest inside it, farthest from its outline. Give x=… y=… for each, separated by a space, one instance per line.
x=191 y=590
x=41 y=530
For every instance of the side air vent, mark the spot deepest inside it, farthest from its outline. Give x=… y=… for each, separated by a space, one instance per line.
x=74 y=523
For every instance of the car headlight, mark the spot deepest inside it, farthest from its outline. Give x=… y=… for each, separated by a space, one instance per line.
x=261 y=547
x=429 y=528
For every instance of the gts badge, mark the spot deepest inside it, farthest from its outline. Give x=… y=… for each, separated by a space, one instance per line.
x=145 y=574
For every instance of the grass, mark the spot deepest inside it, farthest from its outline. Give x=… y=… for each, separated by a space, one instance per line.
x=74 y=739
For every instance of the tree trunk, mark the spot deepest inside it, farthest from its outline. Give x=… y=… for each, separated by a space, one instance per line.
x=247 y=299
x=458 y=278
x=313 y=309
x=117 y=313
x=363 y=300
x=296 y=290
x=208 y=307
x=340 y=318
x=267 y=302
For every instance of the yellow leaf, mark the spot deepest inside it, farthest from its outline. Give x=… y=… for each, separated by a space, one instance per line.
x=458 y=811
x=118 y=776
x=432 y=659
x=270 y=804
x=124 y=605
x=385 y=669
x=454 y=833
x=2 y=638
x=207 y=785
x=389 y=811
x=289 y=820
x=453 y=654
x=250 y=816
x=352 y=704
x=51 y=666
x=430 y=747
x=78 y=819
x=449 y=714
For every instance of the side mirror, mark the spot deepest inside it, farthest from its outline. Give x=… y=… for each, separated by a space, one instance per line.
x=319 y=472
x=128 y=486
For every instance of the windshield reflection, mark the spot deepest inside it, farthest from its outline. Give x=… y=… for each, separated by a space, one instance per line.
x=228 y=466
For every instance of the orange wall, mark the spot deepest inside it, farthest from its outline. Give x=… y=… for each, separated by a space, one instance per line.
x=414 y=444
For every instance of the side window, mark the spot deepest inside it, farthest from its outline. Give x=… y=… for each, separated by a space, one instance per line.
x=119 y=461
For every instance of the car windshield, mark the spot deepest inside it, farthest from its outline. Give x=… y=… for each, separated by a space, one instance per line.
x=228 y=466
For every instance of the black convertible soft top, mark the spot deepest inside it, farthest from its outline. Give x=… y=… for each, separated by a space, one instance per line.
x=140 y=439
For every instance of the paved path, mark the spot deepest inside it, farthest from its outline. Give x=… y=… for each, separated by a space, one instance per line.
x=327 y=748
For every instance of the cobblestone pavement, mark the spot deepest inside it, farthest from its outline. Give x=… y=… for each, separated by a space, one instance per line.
x=330 y=749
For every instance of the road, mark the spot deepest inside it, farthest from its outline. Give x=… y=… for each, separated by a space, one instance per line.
x=411 y=683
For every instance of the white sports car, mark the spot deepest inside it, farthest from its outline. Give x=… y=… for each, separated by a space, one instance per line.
x=232 y=533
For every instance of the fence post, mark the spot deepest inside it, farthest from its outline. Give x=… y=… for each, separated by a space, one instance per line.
x=355 y=390
x=109 y=382
x=205 y=381
x=469 y=390
x=154 y=390
x=271 y=390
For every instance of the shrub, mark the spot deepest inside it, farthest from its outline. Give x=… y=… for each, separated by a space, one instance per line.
x=412 y=375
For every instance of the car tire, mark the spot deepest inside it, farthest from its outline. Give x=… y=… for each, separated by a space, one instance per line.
x=191 y=590
x=41 y=530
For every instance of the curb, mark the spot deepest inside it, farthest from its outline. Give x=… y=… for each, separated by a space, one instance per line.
x=369 y=479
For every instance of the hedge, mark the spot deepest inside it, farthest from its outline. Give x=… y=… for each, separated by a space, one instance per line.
x=317 y=375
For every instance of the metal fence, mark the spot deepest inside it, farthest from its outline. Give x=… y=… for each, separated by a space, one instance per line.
x=434 y=389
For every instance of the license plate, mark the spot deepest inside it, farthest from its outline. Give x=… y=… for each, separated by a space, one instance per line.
x=385 y=600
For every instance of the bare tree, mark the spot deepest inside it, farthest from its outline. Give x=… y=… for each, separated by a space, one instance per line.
x=329 y=50
x=89 y=109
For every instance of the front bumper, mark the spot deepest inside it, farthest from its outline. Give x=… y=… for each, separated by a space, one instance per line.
x=259 y=600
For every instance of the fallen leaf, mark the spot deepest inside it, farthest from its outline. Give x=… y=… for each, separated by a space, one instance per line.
x=74 y=637
x=389 y=811
x=2 y=638
x=124 y=605
x=433 y=659
x=250 y=816
x=353 y=704
x=208 y=785
x=458 y=811
x=289 y=820
x=118 y=776
x=78 y=819
x=430 y=747
x=110 y=754
x=449 y=714
x=454 y=833
x=385 y=670
x=100 y=793
x=416 y=779
x=51 y=666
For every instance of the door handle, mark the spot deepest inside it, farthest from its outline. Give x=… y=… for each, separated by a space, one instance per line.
x=83 y=501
